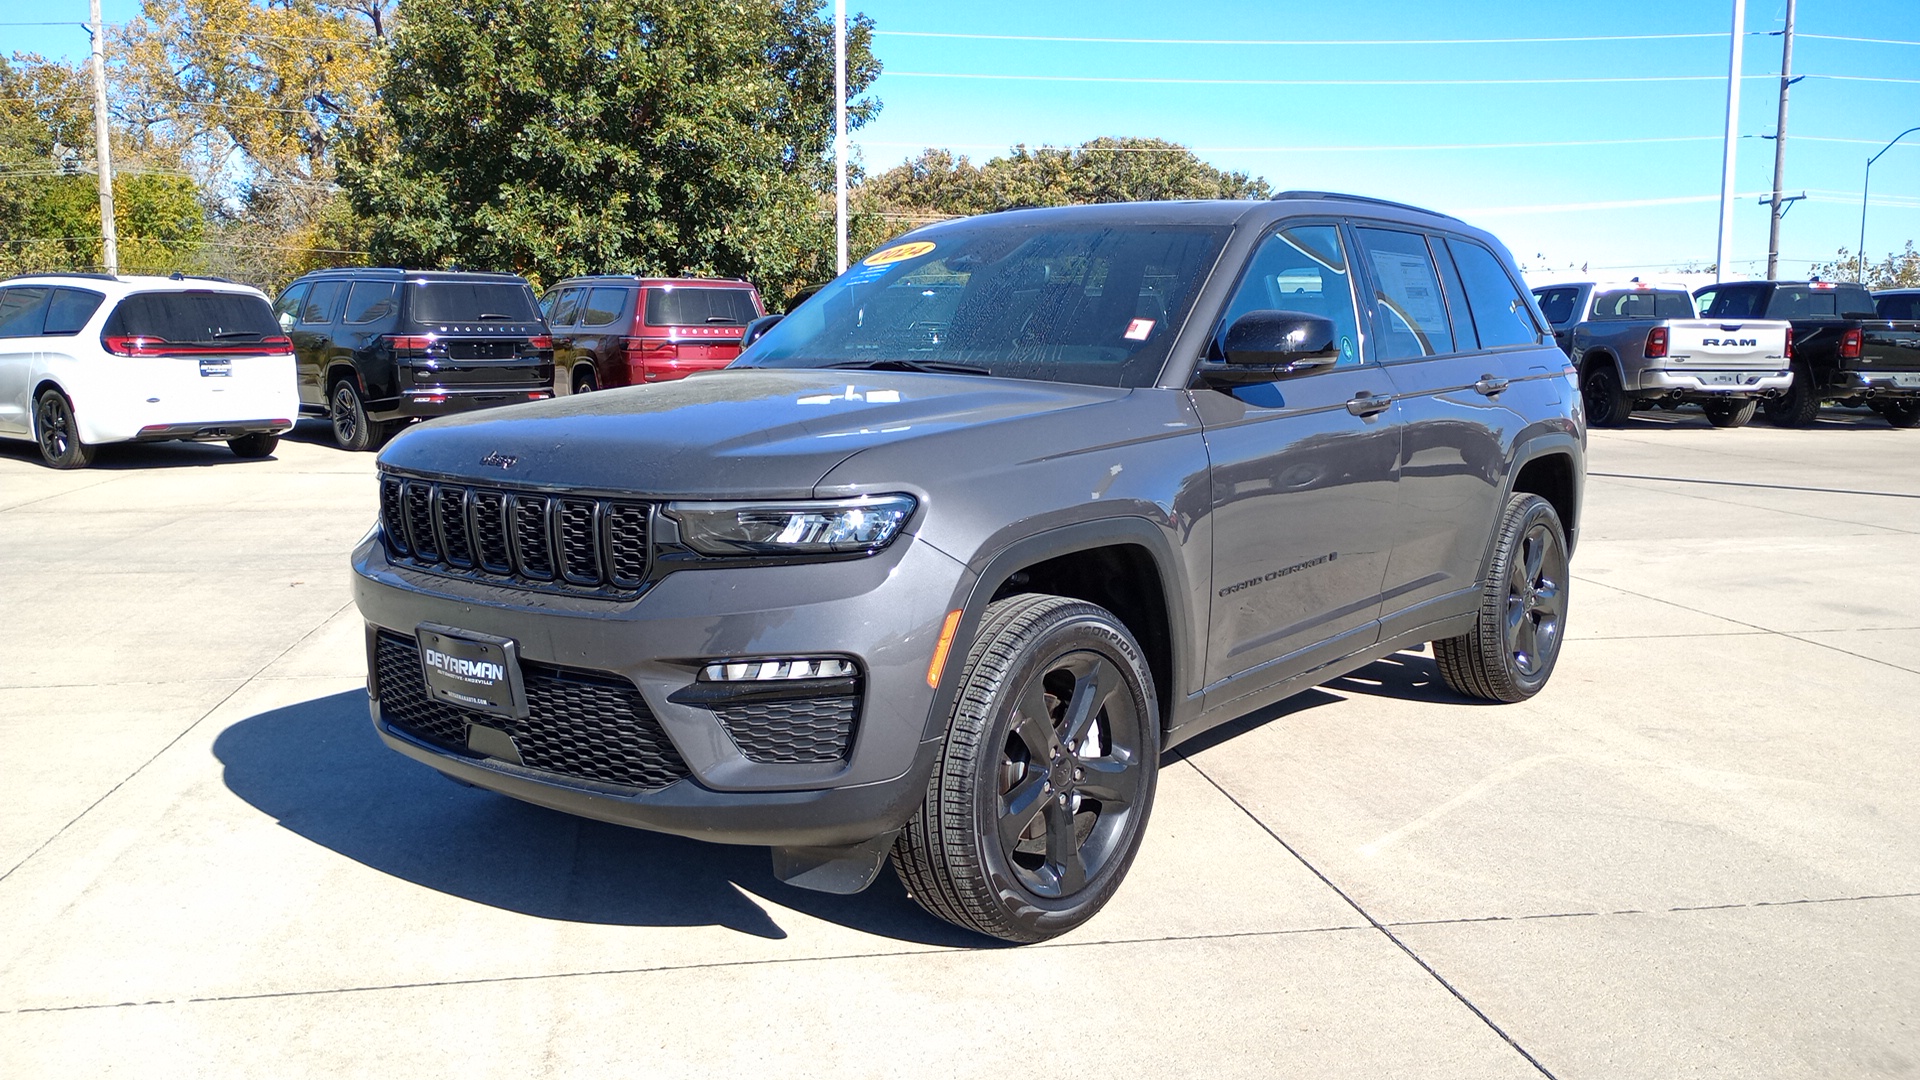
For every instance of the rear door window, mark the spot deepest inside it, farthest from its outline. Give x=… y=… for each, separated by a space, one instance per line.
x=1409 y=311
x=371 y=301
x=23 y=310
x=1725 y=303
x=603 y=306
x=1501 y=314
x=194 y=318
x=566 y=309
x=69 y=310
x=320 y=303
x=1557 y=304
x=1898 y=308
x=473 y=301
x=700 y=307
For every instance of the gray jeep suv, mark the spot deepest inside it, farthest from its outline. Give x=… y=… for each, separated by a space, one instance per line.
x=949 y=557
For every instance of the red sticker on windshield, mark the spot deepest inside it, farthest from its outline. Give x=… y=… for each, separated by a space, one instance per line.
x=1138 y=329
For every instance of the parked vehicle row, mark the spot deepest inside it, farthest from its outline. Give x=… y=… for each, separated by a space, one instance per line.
x=1734 y=347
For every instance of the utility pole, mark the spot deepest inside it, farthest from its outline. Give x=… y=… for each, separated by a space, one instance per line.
x=1778 y=208
x=1725 y=252
x=839 y=134
x=103 y=157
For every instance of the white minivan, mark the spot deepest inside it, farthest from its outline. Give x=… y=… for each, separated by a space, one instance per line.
x=87 y=359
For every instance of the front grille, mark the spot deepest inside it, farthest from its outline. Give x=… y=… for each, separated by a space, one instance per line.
x=792 y=732
x=585 y=724
x=573 y=544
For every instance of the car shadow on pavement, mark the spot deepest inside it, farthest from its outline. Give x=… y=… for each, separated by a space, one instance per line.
x=121 y=457
x=318 y=768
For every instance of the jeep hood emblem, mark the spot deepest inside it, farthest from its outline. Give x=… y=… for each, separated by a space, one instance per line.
x=504 y=461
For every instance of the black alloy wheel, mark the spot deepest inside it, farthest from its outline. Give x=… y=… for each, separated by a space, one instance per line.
x=1042 y=793
x=1607 y=404
x=1510 y=653
x=58 y=434
x=351 y=428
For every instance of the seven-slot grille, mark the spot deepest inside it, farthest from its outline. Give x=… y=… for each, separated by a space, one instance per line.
x=531 y=540
x=587 y=724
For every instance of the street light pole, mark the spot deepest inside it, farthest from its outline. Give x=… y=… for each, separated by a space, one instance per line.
x=1725 y=251
x=102 y=153
x=839 y=135
x=1860 y=256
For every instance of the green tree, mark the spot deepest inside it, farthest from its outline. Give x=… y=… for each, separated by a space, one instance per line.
x=937 y=183
x=641 y=136
x=1900 y=270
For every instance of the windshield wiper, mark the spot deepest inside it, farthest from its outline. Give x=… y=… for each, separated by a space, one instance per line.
x=485 y=315
x=937 y=367
x=255 y=334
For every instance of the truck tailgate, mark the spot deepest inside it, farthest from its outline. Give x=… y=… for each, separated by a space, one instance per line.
x=1709 y=344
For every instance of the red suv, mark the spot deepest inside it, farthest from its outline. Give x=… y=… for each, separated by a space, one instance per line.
x=623 y=331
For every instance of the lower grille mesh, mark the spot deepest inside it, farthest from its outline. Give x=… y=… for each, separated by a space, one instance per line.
x=579 y=723
x=792 y=732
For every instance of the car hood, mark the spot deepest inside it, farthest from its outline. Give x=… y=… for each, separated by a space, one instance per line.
x=748 y=432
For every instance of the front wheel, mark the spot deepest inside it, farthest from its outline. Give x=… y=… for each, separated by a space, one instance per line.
x=58 y=433
x=1730 y=414
x=1510 y=652
x=1606 y=401
x=257 y=444
x=1042 y=792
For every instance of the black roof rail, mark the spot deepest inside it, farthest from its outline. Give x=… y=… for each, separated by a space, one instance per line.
x=1289 y=195
x=69 y=273
x=178 y=276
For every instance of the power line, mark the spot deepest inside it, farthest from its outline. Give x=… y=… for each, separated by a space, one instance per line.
x=1048 y=147
x=1365 y=82
x=1864 y=40
x=1285 y=42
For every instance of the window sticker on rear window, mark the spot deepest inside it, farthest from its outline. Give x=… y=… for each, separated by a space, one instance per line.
x=899 y=253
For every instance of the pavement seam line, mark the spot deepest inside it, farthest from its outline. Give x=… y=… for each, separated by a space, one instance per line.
x=183 y=733
x=1664 y=911
x=59 y=494
x=1789 y=635
x=1879 y=529
x=669 y=968
x=1377 y=924
x=1750 y=484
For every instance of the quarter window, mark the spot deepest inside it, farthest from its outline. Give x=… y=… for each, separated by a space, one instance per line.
x=1501 y=314
x=371 y=301
x=70 y=309
x=1409 y=311
x=22 y=311
x=1300 y=269
x=603 y=306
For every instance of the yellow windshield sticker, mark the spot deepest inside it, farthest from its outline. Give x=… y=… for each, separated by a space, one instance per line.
x=898 y=253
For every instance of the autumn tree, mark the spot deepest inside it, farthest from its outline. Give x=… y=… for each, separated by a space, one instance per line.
x=638 y=136
x=1900 y=270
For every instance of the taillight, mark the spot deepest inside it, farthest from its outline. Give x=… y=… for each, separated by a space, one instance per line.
x=1850 y=344
x=1789 y=343
x=541 y=341
x=145 y=346
x=411 y=342
x=134 y=346
x=1656 y=343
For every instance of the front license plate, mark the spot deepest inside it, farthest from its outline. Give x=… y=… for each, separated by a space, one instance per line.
x=472 y=671
x=1906 y=378
x=1723 y=378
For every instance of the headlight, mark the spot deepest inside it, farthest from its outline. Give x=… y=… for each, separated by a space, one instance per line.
x=840 y=526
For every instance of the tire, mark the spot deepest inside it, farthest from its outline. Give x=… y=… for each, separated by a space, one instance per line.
x=584 y=381
x=256 y=445
x=58 y=434
x=1607 y=404
x=1020 y=759
x=1799 y=406
x=1902 y=413
x=351 y=428
x=1509 y=654
x=1730 y=414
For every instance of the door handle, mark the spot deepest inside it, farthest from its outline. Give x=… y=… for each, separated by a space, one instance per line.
x=1490 y=386
x=1368 y=404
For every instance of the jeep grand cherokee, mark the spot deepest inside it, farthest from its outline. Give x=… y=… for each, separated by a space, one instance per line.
x=946 y=560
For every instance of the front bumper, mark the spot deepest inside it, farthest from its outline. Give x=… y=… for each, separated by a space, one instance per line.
x=1715 y=383
x=885 y=612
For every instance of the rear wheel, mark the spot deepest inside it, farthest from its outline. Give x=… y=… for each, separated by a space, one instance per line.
x=584 y=381
x=351 y=428
x=1799 y=405
x=58 y=434
x=1730 y=414
x=1510 y=652
x=1042 y=793
x=259 y=444
x=1901 y=413
x=1606 y=401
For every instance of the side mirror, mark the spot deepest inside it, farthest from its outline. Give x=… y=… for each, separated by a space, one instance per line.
x=757 y=328
x=1265 y=345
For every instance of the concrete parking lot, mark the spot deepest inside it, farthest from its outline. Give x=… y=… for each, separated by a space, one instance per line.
x=1697 y=853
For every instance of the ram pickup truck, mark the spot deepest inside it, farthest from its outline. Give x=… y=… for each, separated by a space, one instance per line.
x=1639 y=344
x=1844 y=351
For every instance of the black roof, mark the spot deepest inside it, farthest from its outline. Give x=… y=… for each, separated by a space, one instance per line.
x=394 y=273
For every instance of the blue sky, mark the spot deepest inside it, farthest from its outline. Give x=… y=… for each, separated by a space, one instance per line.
x=1555 y=206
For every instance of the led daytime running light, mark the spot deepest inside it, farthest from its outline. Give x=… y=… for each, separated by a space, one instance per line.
x=824 y=667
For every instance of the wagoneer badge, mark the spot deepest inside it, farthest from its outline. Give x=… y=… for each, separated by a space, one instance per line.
x=504 y=461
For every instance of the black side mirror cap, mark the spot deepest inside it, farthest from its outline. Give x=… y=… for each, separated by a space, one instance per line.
x=758 y=327
x=1265 y=345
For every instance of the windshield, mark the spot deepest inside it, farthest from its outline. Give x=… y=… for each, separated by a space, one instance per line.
x=1098 y=304
x=473 y=301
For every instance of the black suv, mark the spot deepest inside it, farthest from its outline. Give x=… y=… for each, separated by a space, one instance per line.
x=942 y=564
x=377 y=348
